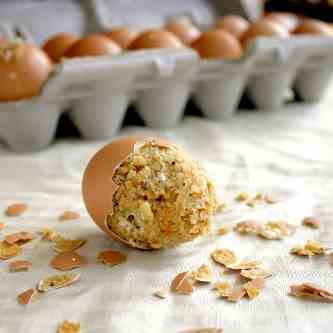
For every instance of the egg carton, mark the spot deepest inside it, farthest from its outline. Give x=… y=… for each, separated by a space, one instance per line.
x=97 y=91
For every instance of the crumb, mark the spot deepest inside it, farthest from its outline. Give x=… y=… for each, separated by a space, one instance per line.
x=311 y=222
x=242 y=196
x=161 y=293
x=223 y=230
x=68 y=216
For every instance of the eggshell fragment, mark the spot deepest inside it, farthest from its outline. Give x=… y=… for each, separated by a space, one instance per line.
x=16 y=209
x=218 y=44
x=181 y=284
x=57 y=281
x=111 y=258
x=57 y=45
x=19 y=238
x=184 y=30
x=68 y=215
x=8 y=251
x=27 y=296
x=67 y=261
x=234 y=24
x=92 y=45
x=122 y=36
x=19 y=266
x=289 y=20
x=152 y=39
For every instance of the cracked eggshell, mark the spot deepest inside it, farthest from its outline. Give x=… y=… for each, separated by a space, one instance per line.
x=98 y=187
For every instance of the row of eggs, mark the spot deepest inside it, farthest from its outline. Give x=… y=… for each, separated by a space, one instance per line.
x=24 y=67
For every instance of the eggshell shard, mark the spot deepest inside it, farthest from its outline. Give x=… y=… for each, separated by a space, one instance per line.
x=27 y=296
x=16 y=209
x=234 y=24
x=314 y=27
x=19 y=266
x=184 y=30
x=264 y=28
x=19 y=238
x=92 y=45
x=122 y=36
x=67 y=261
x=24 y=69
x=181 y=284
x=218 y=44
x=57 y=281
x=57 y=45
x=111 y=258
x=156 y=39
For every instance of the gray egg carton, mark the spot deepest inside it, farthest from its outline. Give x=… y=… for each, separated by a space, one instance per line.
x=97 y=91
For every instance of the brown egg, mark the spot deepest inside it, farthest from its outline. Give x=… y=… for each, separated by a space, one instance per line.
x=152 y=39
x=289 y=20
x=184 y=30
x=314 y=27
x=23 y=70
x=234 y=24
x=93 y=45
x=264 y=27
x=218 y=44
x=57 y=45
x=122 y=36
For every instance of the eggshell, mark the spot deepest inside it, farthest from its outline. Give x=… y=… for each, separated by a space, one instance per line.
x=184 y=30
x=289 y=20
x=152 y=39
x=218 y=44
x=98 y=187
x=93 y=45
x=234 y=24
x=23 y=70
x=314 y=27
x=122 y=36
x=265 y=27
x=57 y=45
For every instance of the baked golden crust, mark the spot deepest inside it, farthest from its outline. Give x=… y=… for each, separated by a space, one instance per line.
x=164 y=198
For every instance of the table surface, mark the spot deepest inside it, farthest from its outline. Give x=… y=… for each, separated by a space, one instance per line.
x=288 y=153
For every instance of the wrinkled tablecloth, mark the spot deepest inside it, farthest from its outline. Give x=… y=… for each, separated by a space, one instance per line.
x=288 y=153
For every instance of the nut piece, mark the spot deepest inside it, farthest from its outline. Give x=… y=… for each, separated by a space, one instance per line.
x=19 y=266
x=161 y=293
x=224 y=256
x=62 y=244
x=57 y=281
x=16 y=209
x=256 y=273
x=248 y=227
x=223 y=288
x=311 y=291
x=8 y=251
x=68 y=215
x=242 y=196
x=223 y=230
x=111 y=258
x=67 y=261
x=27 y=296
x=19 y=238
x=244 y=265
x=181 y=284
x=203 y=274
x=69 y=327
x=311 y=222
x=311 y=248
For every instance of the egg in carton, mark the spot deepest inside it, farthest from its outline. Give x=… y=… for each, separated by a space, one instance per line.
x=97 y=90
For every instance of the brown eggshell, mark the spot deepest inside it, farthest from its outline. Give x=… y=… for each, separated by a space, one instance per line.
x=184 y=30
x=67 y=261
x=98 y=187
x=314 y=27
x=289 y=20
x=156 y=39
x=234 y=24
x=57 y=45
x=24 y=69
x=264 y=28
x=93 y=45
x=122 y=36
x=218 y=44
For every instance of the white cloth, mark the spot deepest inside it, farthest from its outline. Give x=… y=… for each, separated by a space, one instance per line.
x=287 y=153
